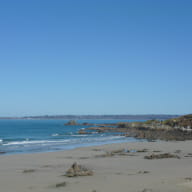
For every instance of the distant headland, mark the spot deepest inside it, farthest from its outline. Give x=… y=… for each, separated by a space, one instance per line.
x=104 y=117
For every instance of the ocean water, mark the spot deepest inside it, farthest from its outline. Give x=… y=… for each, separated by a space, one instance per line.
x=32 y=136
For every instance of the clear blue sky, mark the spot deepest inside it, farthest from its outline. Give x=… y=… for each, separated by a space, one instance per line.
x=95 y=57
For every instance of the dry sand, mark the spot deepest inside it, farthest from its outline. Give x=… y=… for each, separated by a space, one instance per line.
x=119 y=172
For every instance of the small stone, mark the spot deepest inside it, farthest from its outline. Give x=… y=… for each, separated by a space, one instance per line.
x=28 y=171
x=63 y=184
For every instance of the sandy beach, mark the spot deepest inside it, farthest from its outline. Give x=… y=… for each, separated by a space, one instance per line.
x=116 y=167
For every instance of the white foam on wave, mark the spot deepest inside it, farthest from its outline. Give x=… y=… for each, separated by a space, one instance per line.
x=79 y=135
x=105 y=138
x=64 y=134
x=34 y=142
x=72 y=142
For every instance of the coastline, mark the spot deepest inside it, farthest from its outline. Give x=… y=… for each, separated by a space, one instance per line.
x=118 y=172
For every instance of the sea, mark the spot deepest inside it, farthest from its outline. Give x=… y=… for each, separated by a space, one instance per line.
x=35 y=136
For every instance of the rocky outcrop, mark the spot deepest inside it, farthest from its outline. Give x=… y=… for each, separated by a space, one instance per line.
x=78 y=170
x=87 y=124
x=172 y=129
x=71 y=122
x=184 y=122
x=103 y=129
x=83 y=132
x=175 y=135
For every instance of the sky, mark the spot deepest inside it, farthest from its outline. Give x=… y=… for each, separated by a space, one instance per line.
x=95 y=57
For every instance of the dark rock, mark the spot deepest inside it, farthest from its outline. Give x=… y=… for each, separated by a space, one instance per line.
x=188 y=178
x=87 y=124
x=143 y=172
x=103 y=129
x=71 y=122
x=63 y=184
x=161 y=156
x=28 y=170
x=82 y=131
x=147 y=190
x=142 y=150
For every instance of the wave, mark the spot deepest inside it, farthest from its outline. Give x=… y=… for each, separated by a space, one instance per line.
x=60 y=144
x=70 y=141
x=80 y=135
x=33 y=142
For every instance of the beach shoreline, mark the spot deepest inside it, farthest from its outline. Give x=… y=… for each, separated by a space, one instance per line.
x=116 y=167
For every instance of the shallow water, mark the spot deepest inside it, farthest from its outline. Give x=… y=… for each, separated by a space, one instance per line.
x=31 y=136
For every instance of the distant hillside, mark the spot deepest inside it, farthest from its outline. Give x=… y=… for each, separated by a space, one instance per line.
x=79 y=117
x=182 y=121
